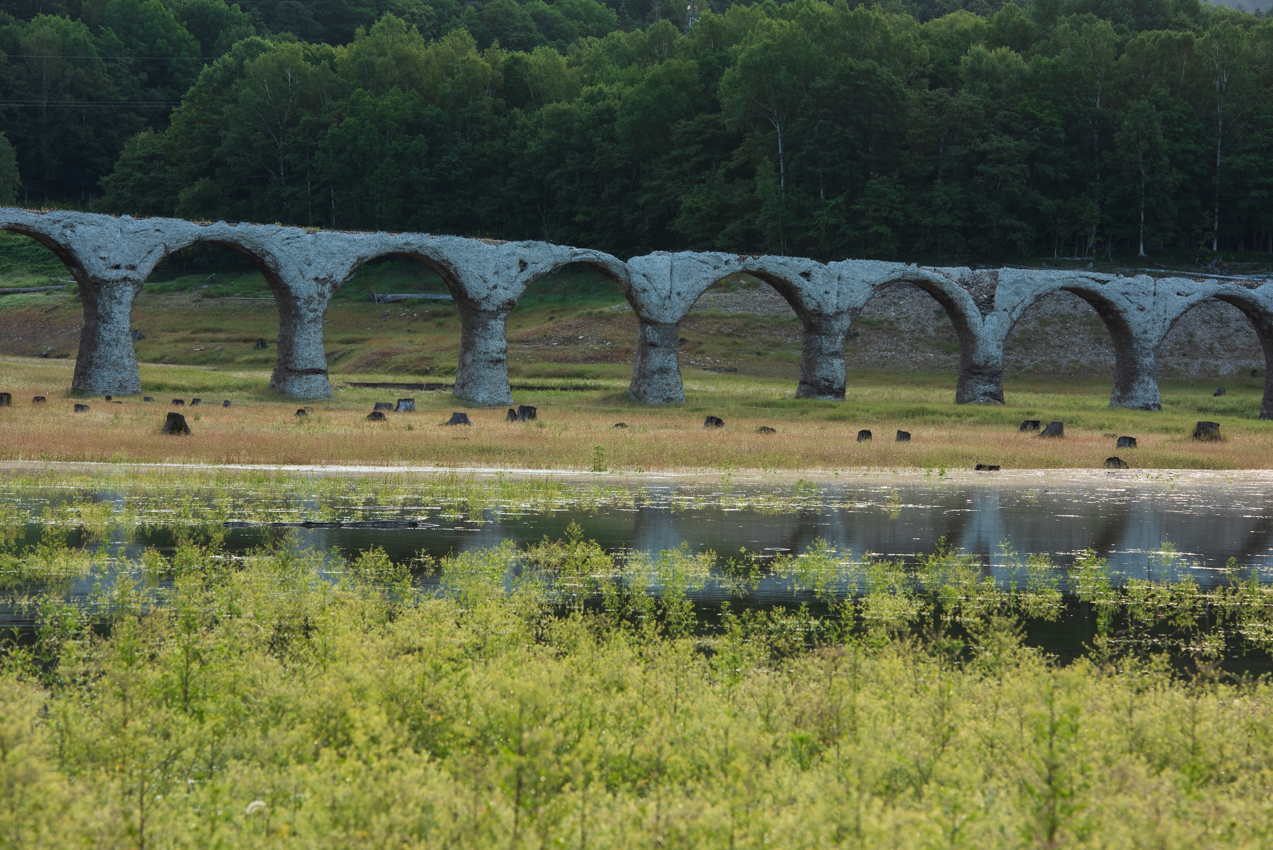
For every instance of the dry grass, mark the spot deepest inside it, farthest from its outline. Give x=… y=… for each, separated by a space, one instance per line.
x=576 y=429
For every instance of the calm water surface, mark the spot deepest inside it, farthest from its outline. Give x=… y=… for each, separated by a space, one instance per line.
x=1208 y=518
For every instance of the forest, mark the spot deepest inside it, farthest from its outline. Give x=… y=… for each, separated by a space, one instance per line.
x=958 y=130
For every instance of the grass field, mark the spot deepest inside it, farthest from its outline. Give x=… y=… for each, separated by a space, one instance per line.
x=575 y=429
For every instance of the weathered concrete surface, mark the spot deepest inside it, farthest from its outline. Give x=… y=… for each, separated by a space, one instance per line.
x=110 y=259
x=486 y=279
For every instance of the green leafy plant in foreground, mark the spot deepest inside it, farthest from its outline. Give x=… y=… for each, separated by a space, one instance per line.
x=560 y=695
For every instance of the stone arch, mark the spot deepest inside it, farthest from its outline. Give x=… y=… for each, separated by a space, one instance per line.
x=980 y=353
x=108 y=258
x=300 y=368
x=486 y=278
x=1135 y=364
x=608 y=267
x=1257 y=306
x=68 y=257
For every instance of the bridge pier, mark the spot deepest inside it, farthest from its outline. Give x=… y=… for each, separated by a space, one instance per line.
x=980 y=375
x=822 y=370
x=656 y=369
x=301 y=368
x=482 y=376
x=107 y=363
x=1135 y=373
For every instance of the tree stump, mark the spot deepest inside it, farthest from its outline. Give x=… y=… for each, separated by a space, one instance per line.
x=765 y=429
x=1219 y=392
x=511 y=416
x=148 y=398
x=459 y=419
x=137 y=336
x=376 y=416
x=225 y=403
x=175 y=424
x=406 y=405
x=383 y=405
x=195 y=402
x=1207 y=432
x=713 y=422
x=39 y=400
x=1126 y=443
x=81 y=408
x=620 y=424
x=903 y=437
x=986 y=467
x=178 y=402
x=1115 y=463
x=526 y=413
x=6 y=399
x=260 y=345
x=1054 y=429
x=864 y=436
x=1030 y=425
x=107 y=398
x=300 y=411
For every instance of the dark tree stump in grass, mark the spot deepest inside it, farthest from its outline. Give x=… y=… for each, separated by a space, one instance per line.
x=1219 y=392
x=176 y=425
x=1115 y=463
x=713 y=422
x=406 y=405
x=765 y=429
x=81 y=408
x=1054 y=429
x=39 y=400
x=526 y=413
x=1030 y=425
x=864 y=436
x=225 y=403
x=6 y=399
x=376 y=416
x=620 y=424
x=986 y=467
x=300 y=411
x=1126 y=443
x=459 y=419
x=1207 y=432
x=260 y=345
x=148 y=398
x=107 y=398
x=195 y=402
x=511 y=416
x=178 y=402
x=903 y=437
x=383 y=405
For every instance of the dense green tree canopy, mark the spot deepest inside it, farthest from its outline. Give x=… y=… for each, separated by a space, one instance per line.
x=9 y=180
x=954 y=129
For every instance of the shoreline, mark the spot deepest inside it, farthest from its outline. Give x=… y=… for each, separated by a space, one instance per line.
x=819 y=477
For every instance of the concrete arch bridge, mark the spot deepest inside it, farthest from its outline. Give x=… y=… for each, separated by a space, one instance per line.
x=110 y=259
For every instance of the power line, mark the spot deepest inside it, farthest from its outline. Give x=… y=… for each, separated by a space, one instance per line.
x=101 y=104
x=60 y=56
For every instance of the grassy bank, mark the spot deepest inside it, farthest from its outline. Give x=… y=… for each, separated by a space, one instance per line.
x=556 y=696
x=576 y=429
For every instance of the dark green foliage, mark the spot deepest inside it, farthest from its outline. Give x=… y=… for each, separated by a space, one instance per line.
x=9 y=179
x=958 y=131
